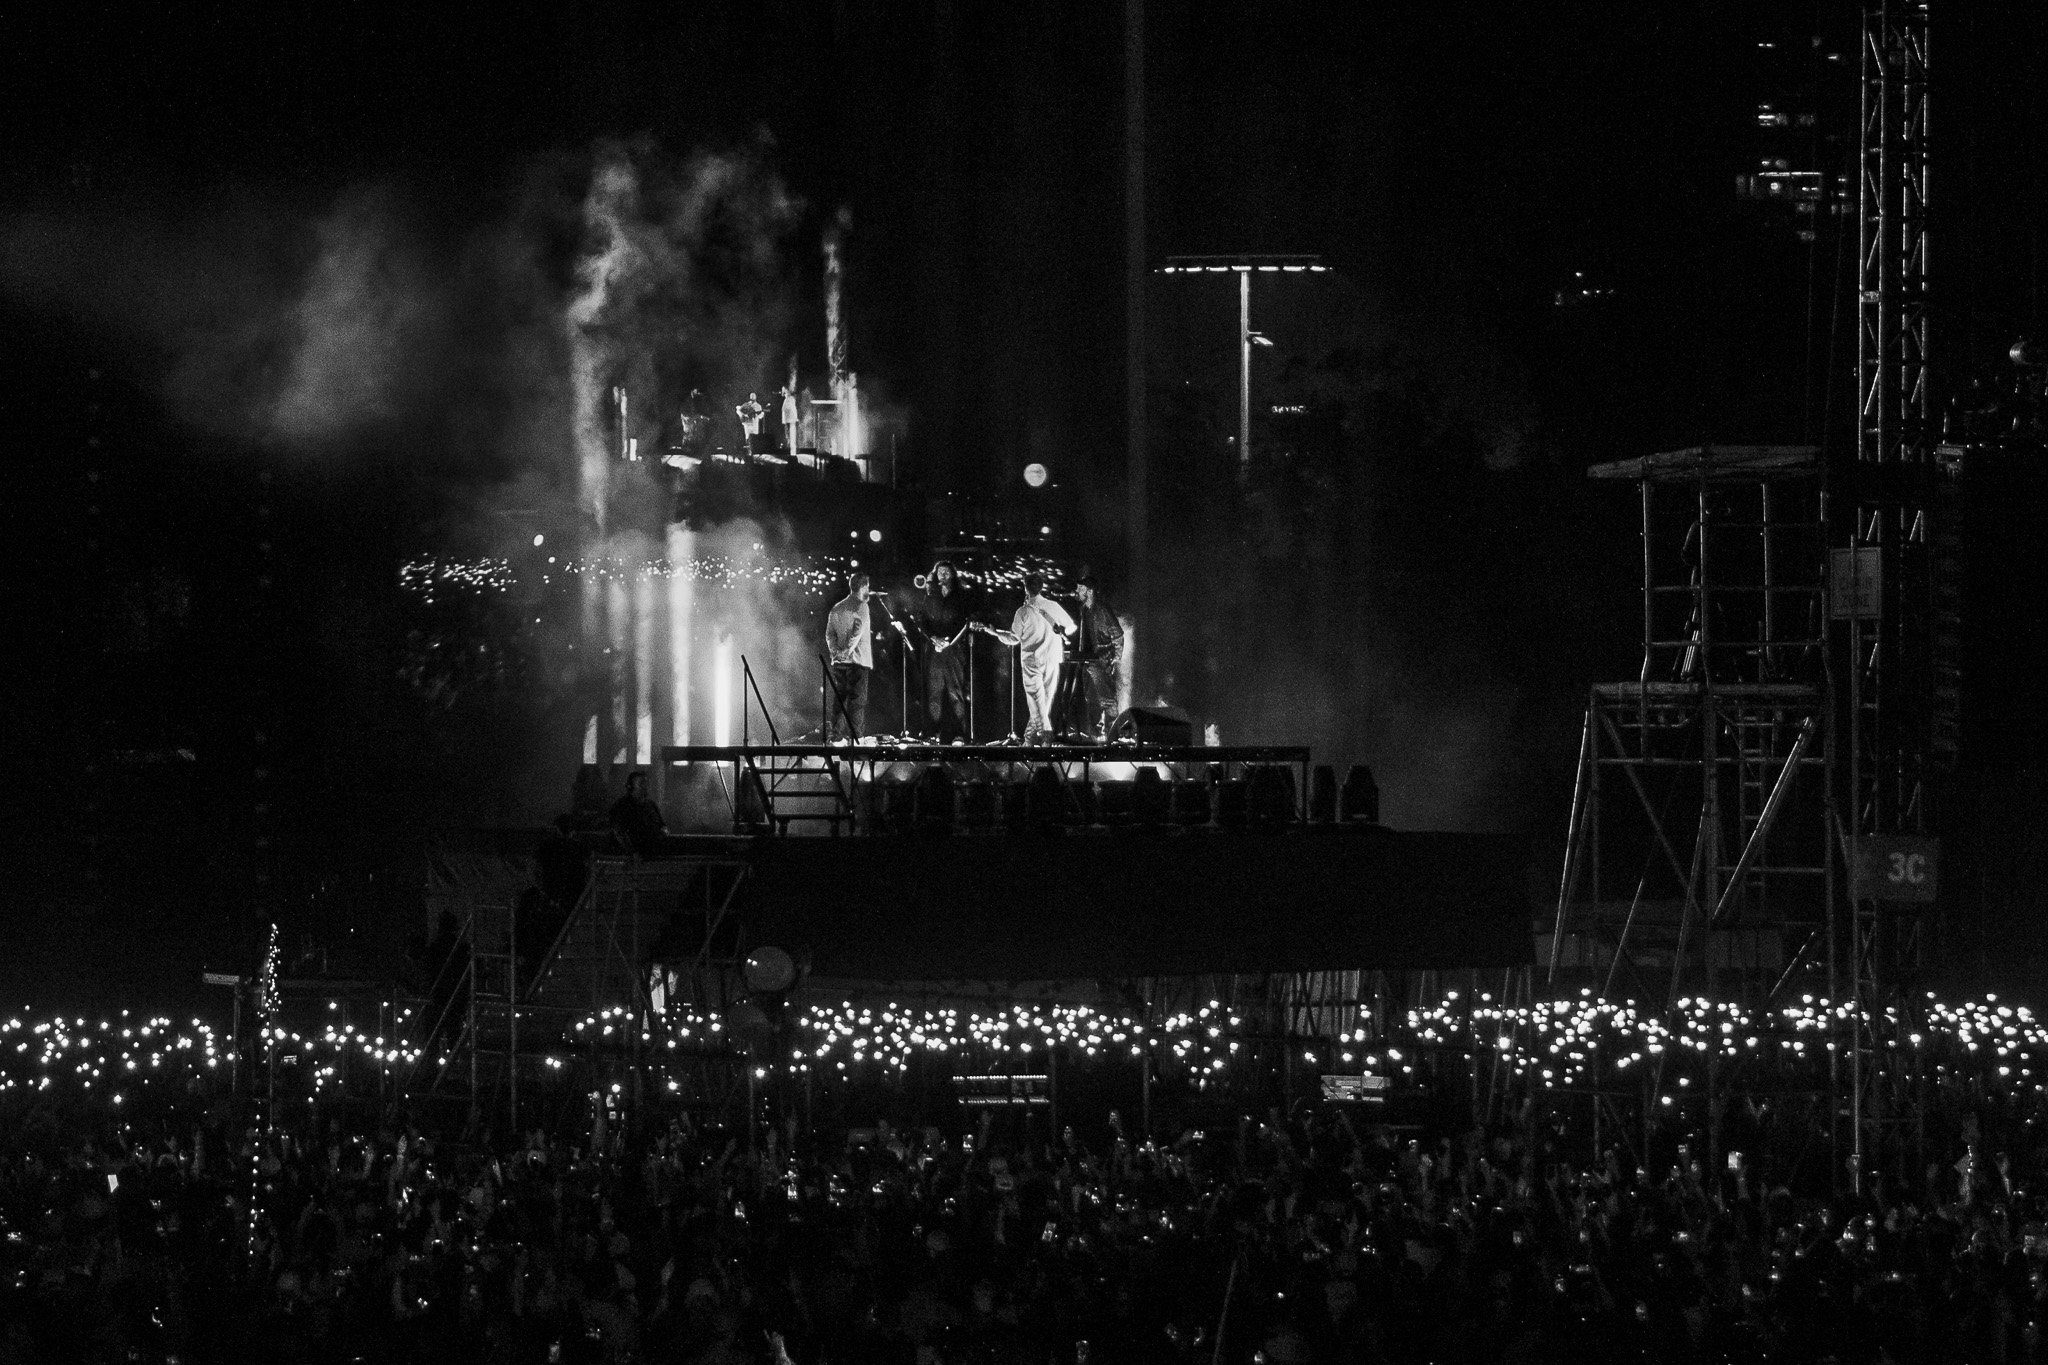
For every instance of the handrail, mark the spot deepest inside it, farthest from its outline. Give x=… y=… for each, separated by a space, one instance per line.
x=747 y=670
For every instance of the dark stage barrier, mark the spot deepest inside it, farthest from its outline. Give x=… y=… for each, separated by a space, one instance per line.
x=1030 y=908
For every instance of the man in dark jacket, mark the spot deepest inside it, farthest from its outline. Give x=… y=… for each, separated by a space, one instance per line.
x=1101 y=655
x=940 y=617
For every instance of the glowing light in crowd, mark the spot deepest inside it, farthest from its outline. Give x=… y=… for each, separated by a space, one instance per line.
x=1549 y=1046
x=433 y=580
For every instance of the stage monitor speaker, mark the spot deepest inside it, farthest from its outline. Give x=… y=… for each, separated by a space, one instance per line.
x=1166 y=726
x=1322 y=794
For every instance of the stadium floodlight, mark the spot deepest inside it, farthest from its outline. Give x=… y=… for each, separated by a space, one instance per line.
x=1244 y=267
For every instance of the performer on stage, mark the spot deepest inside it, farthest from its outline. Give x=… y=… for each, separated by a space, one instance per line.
x=1101 y=651
x=849 y=644
x=940 y=618
x=789 y=415
x=1039 y=630
x=750 y=420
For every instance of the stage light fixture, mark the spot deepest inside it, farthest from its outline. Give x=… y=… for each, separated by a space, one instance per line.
x=875 y=536
x=1270 y=794
x=1050 y=803
x=937 y=801
x=1361 y=796
x=1035 y=475
x=1322 y=794
x=1152 y=797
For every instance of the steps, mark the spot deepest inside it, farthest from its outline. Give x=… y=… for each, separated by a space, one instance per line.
x=785 y=789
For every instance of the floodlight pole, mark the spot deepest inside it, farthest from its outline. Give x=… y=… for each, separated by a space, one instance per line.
x=1244 y=375
x=1242 y=267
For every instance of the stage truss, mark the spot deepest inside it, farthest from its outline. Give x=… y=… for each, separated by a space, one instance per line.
x=1698 y=859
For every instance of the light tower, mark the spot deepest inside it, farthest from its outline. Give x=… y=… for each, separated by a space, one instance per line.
x=1244 y=267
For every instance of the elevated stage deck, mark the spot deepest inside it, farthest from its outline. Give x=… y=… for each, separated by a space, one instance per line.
x=919 y=752
x=1036 y=861
x=882 y=787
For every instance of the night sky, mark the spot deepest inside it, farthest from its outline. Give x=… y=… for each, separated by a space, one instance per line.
x=1540 y=263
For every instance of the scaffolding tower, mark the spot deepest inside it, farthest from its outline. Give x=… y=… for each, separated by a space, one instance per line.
x=1697 y=859
x=1884 y=612
x=646 y=936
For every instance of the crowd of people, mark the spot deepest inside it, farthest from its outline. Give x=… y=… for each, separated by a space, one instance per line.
x=1315 y=1236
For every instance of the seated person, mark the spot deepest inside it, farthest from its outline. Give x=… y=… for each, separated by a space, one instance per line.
x=637 y=820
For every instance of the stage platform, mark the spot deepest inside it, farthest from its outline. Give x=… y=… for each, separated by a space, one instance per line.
x=879 y=787
x=921 y=752
x=1060 y=861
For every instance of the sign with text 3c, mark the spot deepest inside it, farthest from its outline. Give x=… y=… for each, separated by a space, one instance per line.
x=1897 y=867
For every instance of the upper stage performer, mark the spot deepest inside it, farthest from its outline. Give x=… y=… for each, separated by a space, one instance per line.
x=750 y=419
x=1101 y=651
x=789 y=415
x=1039 y=630
x=940 y=617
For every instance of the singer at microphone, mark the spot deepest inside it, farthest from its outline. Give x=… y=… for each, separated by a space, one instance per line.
x=940 y=616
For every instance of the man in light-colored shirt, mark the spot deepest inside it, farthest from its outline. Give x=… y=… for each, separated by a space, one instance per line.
x=849 y=644
x=1038 y=630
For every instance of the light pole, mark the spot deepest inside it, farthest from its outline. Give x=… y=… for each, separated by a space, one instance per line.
x=1243 y=267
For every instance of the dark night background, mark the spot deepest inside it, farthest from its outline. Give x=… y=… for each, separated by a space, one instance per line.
x=1541 y=263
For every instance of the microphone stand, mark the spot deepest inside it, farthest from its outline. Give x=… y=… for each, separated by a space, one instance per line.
x=902 y=666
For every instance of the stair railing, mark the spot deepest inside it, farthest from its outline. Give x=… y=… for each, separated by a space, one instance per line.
x=754 y=690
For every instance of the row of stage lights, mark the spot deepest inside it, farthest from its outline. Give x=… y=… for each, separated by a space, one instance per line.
x=1557 y=1046
x=1195 y=268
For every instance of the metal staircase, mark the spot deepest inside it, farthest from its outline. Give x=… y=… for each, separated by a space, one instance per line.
x=777 y=790
x=645 y=935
